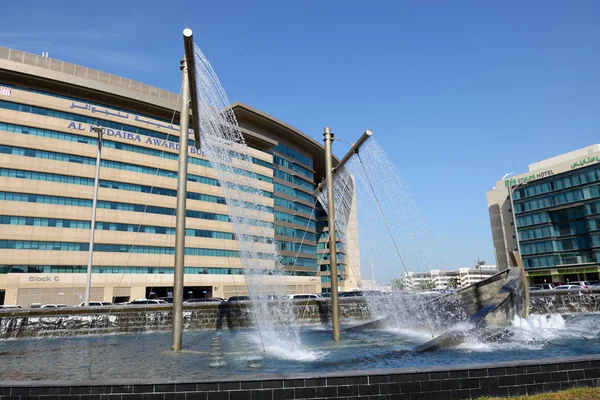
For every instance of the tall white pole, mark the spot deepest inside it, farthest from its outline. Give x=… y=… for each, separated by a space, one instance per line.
x=184 y=121
x=335 y=307
x=88 y=281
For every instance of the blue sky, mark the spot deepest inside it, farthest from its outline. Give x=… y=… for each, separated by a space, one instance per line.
x=458 y=93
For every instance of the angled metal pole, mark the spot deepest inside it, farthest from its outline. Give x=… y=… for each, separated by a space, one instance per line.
x=353 y=150
x=184 y=120
x=335 y=306
x=88 y=281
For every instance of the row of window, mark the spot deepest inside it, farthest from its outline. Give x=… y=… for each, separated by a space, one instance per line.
x=325 y=246
x=292 y=205
x=298 y=261
x=119 y=227
x=340 y=257
x=42 y=176
x=293 y=179
x=74 y=269
x=297 y=233
x=119 y=248
x=278 y=187
x=564 y=182
x=283 y=149
x=293 y=166
x=559 y=259
x=327 y=267
x=51 y=222
x=563 y=229
x=70 y=201
x=576 y=243
x=327 y=279
x=572 y=196
x=294 y=219
x=296 y=247
x=25 y=130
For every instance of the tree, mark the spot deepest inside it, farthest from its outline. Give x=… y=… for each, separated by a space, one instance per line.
x=427 y=285
x=453 y=282
x=397 y=284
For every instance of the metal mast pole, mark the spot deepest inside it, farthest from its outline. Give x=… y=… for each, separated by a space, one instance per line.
x=184 y=120
x=88 y=280
x=335 y=308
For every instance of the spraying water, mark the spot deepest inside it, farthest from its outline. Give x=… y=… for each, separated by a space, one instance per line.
x=369 y=192
x=224 y=145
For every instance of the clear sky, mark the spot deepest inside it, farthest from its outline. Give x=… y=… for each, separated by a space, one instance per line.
x=457 y=92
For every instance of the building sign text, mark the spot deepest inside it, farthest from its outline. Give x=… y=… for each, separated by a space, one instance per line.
x=528 y=178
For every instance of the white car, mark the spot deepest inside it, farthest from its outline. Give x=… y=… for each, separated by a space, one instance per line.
x=96 y=303
x=53 y=305
x=9 y=307
x=568 y=287
x=304 y=296
x=146 y=301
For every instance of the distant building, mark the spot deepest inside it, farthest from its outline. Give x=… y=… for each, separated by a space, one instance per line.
x=437 y=279
x=556 y=205
x=48 y=109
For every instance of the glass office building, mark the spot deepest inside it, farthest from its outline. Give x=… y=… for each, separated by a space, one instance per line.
x=551 y=215
x=47 y=166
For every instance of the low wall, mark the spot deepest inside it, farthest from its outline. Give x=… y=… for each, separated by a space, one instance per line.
x=156 y=318
x=464 y=382
x=564 y=302
x=210 y=316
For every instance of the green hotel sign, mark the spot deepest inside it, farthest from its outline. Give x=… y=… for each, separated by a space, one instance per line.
x=528 y=178
x=584 y=161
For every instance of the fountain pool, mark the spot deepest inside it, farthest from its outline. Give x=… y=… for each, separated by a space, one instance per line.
x=219 y=354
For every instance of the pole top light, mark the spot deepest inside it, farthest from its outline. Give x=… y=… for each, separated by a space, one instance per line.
x=187 y=32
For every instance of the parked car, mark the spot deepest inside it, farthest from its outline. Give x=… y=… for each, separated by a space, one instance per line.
x=568 y=287
x=203 y=300
x=325 y=295
x=583 y=284
x=95 y=304
x=238 y=298
x=303 y=296
x=547 y=286
x=54 y=305
x=356 y=293
x=534 y=287
x=167 y=299
x=9 y=307
x=147 y=301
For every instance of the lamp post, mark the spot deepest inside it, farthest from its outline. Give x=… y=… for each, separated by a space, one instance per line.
x=98 y=131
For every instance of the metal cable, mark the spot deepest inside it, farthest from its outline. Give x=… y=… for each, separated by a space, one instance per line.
x=393 y=240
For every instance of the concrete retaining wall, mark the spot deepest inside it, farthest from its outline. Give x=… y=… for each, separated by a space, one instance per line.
x=134 y=319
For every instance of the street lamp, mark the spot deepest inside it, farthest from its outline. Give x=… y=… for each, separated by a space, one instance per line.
x=98 y=131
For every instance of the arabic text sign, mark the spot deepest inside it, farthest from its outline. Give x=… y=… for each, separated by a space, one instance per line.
x=5 y=91
x=114 y=113
x=584 y=161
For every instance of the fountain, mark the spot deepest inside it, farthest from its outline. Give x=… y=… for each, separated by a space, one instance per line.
x=271 y=350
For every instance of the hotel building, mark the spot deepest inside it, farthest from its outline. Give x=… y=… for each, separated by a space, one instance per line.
x=551 y=215
x=47 y=167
